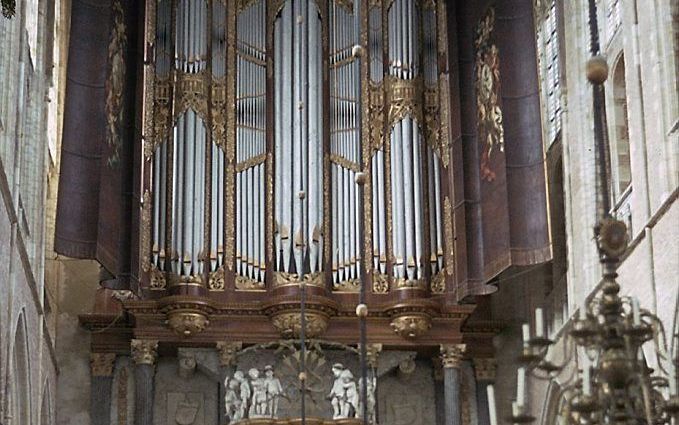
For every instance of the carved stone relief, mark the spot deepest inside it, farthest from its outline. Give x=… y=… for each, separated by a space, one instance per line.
x=406 y=399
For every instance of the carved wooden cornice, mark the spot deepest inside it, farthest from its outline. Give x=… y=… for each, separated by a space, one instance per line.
x=485 y=369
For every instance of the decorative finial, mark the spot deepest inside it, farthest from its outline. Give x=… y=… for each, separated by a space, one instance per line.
x=360 y=178
x=357 y=51
x=597 y=69
x=362 y=310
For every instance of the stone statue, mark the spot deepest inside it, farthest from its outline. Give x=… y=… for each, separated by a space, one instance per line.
x=259 y=397
x=232 y=402
x=344 y=393
x=245 y=392
x=274 y=390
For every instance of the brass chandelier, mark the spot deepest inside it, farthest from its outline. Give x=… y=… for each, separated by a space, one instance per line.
x=613 y=384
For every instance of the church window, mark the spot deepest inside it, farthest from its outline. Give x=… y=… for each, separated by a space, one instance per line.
x=549 y=58
x=620 y=146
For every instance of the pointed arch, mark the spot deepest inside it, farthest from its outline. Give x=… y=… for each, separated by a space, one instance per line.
x=19 y=382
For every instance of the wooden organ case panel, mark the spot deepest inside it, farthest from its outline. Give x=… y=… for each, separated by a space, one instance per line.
x=258 y=115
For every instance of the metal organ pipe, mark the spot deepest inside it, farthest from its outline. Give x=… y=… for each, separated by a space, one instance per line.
x=298 y=137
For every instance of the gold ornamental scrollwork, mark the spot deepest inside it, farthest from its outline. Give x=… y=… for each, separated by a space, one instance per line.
x=375 y=121
x=404 y=98
x=411 y=325
x=244 y=283
x=192 y=93
x=289 y=323
x=380 y=282
x=351 y=285
x=288 y=279
x=157 y=281
x=215 y=280
x=161 y=115
x=145 y=238
x=403 y=283
x=438 y=282
x=449 y=254
x=218 y=116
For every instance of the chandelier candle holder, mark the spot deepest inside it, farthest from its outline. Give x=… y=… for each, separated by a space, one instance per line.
x=613 y=384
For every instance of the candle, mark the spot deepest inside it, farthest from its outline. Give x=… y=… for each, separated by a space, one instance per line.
x=526 y=334
x=636 y=317
x=582 y=314
x=672 y=371
x=539 y=323
x=515 y=409
x=521 y=387
x=492 y=410
x=586 y=383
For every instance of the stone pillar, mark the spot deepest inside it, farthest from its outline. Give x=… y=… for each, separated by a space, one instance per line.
x=144 y=355
x=484 y=372
x=451 y=358
x=227 y=366
x=101 y=368
x=439 y=400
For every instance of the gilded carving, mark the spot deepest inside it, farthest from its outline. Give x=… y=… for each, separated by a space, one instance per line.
x=351 y=285
x=348 y=5
x=187 y=322
x=380 y=282
x=228 y=351
x=215 y=280
x=144 y=351
x=145 y=238
x=487 y=82
x=404 y=99
x=161 y=114
x=343 y=162
x=289 y=323
x=244 y=283
x=448 y=235
x=411 y=326
x=149 y=82
x=250 y=162
x=403 y=283
x=115 y=84
x=101 y=364
x=372 y=352
x=287 y=279
x=218 y=112
x=192 y=92
x=375 y=114
x=452 y=354
x=438 y=282
x=444 y=118
x=157 y=279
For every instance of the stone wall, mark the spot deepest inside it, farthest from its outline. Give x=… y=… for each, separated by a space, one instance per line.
x=28 y=361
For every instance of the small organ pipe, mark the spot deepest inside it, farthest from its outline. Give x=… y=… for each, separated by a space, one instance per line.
x=417 y=195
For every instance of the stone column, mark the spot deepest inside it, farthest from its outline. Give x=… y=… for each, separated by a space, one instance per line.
x=144 y=355
x=101 y=368
x=451 y=358
x=484 y=372
x=227 y=366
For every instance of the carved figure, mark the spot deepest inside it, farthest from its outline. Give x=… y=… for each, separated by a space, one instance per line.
x=344 y=394
x=274 y=390
x=232 y=402
x=245 y=392
x=259 y=397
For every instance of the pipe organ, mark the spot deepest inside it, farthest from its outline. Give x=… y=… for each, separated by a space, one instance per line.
x=258 y=115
